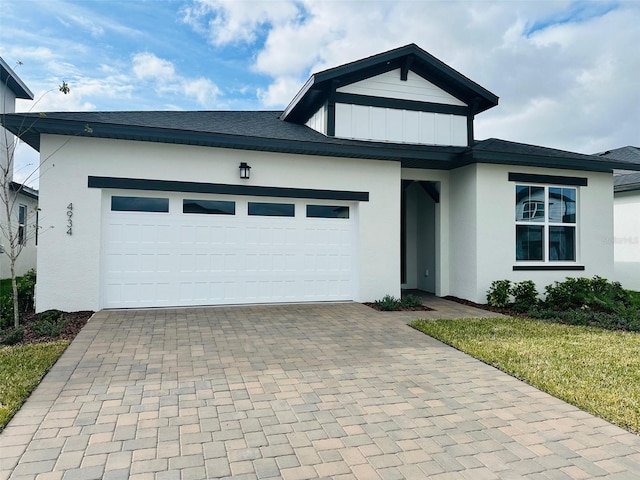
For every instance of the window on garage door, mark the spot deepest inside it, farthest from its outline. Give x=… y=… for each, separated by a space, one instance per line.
x=139 y=204
x=272 y=209
x=327 y=211
x=209 y=207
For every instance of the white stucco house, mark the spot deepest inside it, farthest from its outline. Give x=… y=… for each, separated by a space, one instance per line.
x=369 y=181
x=23 y=200
x=626 y=215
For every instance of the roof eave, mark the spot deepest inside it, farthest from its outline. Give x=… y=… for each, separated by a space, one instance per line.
x=587 y=164
x=13 y=81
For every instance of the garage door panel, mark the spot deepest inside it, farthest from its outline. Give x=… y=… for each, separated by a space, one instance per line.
x=174 y=259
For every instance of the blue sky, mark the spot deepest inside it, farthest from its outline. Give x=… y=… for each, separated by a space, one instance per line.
x=566 y=72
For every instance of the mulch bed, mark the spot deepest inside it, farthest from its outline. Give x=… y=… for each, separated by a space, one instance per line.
x=484 y=306
x=422 y=308
x=76 y=320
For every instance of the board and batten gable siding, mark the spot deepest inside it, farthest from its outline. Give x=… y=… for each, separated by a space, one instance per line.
x=362 y=122
x=76 y=258
x=318 y=120
x=389 y=85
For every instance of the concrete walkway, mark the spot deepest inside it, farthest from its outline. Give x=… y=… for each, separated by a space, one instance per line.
x=333 y=391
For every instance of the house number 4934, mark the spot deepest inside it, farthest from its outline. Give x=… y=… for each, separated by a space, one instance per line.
x=69 y=218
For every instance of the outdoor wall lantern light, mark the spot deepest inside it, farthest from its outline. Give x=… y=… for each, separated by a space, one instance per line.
x=245 y=170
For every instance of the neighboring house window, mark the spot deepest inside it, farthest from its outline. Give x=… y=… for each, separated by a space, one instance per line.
x=546 y=223
x=22 y=225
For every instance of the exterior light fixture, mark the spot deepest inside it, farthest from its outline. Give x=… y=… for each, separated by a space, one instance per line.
x=245 y=170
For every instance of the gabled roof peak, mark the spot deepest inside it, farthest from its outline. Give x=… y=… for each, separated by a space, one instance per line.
x=408 y=57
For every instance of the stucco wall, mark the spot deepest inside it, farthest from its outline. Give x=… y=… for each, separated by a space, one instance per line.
x=626 y=238
x=69 y=265
x=463 y=245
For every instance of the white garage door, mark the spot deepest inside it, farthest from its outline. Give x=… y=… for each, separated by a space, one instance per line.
x=184 y=249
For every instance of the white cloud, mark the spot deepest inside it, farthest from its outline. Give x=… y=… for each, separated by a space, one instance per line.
x=147 y=66
x=566 y=72
x=203 y=90
x=231 y=21
x=165 y=79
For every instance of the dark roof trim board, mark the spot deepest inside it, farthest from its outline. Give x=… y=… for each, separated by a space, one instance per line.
x=382 y=102
x=13 y=81
x=548 y=179
x=320 y=85
x=224 y=189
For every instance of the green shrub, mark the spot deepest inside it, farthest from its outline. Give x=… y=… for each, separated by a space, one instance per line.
x=388 y=303
x=525 y=296
x=586 y=293
x=499 y=293
x=49 y=324
x=11 y=336
x=411 y=301
x=6 y=311
x=26 y=289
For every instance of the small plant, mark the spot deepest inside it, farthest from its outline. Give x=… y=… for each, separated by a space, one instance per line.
x=411 y=301
x=11 y=336
x=388 y=303
x=525 y=296
x=49 y=324
x=499 y=293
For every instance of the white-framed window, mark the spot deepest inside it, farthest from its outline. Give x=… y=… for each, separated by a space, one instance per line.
x=546 y=223
x=22 y=225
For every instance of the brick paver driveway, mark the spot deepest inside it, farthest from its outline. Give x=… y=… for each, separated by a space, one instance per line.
x=299 y=391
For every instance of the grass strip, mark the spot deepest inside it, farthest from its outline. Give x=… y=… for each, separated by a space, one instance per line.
x=21 y=370
x=594 y=369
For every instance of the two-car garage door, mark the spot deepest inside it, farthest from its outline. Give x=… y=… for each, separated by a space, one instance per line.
x=183 y=249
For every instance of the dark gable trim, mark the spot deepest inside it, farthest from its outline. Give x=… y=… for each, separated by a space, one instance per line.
x=224 y=189
x=383 y=102
x=548 y=179
x=556 y=268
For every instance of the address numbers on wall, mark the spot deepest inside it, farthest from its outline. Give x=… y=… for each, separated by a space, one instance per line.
x=70 y=219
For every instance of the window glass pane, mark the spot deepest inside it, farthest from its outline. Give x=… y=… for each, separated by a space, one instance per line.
x=139 y=204
x=211 y=207
x=327 y=211
x=562 y=205
x=529 y=242
x=272 y=209
x=562 y=243
x=529 y=204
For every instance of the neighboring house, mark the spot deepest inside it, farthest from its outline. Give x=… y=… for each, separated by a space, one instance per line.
x=626 y=216
x=369 y=181
x=23 y=200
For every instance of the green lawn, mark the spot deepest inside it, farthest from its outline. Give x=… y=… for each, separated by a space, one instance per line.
x=596 y=370
x=21 y=369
